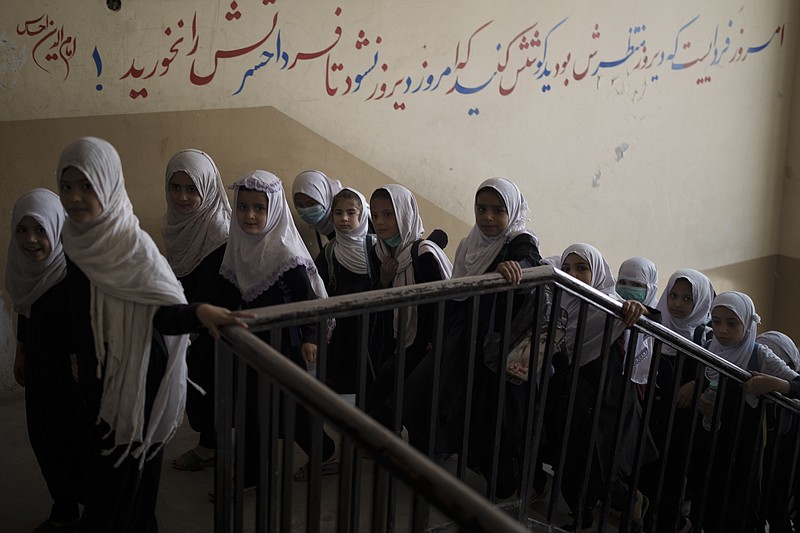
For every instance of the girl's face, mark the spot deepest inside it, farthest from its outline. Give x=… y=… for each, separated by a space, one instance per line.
x=78 y=197
x=346 y=215
x=304 y=201
x=251 y=211
x=680 y=301
x=184 y=197
x=383 y=218
x=491 y=215
x=32 y=239
x=578 y=267
x=727 y=327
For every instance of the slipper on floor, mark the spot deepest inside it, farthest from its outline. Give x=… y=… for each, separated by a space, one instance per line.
x=330 y=467
x=192 y=462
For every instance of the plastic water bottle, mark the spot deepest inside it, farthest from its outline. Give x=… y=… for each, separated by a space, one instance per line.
x=711 y=394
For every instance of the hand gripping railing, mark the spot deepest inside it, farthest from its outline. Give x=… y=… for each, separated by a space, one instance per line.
x=463 y=505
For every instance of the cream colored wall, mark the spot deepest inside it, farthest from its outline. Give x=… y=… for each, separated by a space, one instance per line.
x=700 y=184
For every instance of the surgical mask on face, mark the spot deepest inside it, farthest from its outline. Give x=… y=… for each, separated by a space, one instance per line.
x=311 y=215
x=632 y=293
x=394 y=242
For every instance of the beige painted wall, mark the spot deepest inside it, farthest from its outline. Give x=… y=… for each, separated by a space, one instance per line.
x=703 y=182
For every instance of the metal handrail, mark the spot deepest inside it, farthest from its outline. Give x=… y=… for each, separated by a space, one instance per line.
x=461 y=288
x=463 y=505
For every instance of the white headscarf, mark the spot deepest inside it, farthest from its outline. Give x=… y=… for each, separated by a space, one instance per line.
x=321 y=188
x=702 y=295
x=739 y=354
x=551 y=260
x=27 y=280
x=782 y=346
x=349 y=247
x=190 y=238
x=603 y=281
x=644 y=271
x=254 y=263
x=129 y=281
x=409 y=224
x=476 y=252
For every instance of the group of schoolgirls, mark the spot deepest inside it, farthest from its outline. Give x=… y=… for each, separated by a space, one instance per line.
x=679 y=480
x=115 y=392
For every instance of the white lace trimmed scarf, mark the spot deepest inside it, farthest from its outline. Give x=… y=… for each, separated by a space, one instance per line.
x=129 y=281
x=321 y=188
x=411 y=229
x=190 y=238
x=26 y=280
x=254 y=263
x=476 y=252
x=349 y=247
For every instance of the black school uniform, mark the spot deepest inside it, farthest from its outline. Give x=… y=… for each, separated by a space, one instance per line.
x=486 y=388
x=200 y=285
x=342 y=364
x=743 y=507
x=671 y=504
x=293 y=286
x=52 y=403
x=119 y=499
x=380 y=401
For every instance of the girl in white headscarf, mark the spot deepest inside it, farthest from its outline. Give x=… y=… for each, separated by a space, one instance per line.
x=684 y=305
x=129 y=323
x=398 y=225
x=35 y=280
x=345 y=268
x=733 y=322
x=498 y=242
x=195 y=230
x=782 y=433
x=266 y=263
x=586 y=263
x=312 y=194
x=402 y=257
x=637 y=279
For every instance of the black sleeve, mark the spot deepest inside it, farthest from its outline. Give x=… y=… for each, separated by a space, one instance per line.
x=525 y=251
x=177 y=319
x=299 y=287
x=794 y=388
x=654 y=314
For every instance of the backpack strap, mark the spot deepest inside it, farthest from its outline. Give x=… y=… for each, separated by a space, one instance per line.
x=369 y=243
x=752 y=364
x=415 y=251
